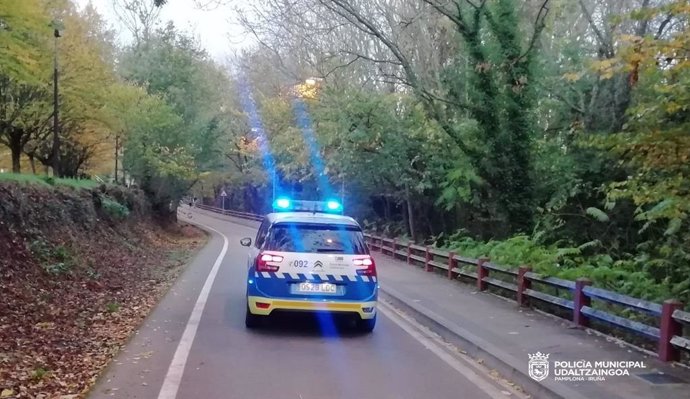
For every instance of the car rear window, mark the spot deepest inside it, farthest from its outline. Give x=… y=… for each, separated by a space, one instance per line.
x=300 y=237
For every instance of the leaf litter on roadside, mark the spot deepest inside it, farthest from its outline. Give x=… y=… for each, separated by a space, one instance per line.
x=59 y=330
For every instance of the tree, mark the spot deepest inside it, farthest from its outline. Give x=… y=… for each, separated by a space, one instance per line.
x=140 y=17
x=24 y=30
x=23 y=38
x=86 y=68
x=86 y=71
x=489 y=69
x=24 y=116
x=155 y=152
x=188 y=88
x=655 y=145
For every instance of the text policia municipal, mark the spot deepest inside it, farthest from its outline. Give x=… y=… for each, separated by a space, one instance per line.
x=604 y=368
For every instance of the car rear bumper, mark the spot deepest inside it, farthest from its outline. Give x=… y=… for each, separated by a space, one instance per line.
x=264 y=306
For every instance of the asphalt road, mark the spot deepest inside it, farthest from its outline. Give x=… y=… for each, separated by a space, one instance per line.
x=195 y=345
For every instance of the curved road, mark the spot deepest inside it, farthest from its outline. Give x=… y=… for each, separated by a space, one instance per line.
x=195 y=345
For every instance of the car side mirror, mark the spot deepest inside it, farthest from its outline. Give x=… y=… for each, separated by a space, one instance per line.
x=245 y=242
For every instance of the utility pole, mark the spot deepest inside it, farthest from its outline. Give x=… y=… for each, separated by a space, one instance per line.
x=56 y=127
x=117 y=153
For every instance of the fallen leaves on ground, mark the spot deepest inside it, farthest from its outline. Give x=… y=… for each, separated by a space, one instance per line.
x=59 y=327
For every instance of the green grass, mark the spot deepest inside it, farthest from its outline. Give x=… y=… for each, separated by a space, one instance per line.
x=48 y=181
x=112 y=307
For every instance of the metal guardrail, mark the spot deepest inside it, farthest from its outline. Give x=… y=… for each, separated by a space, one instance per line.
x=242 y=215
x=520 y=285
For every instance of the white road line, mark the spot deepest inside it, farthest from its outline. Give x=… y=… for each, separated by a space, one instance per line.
x=174 y=376
x=407 y=324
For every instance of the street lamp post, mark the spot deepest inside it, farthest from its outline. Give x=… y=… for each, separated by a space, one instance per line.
x=56 y=127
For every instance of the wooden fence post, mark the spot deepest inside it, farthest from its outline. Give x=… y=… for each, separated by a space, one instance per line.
x=451 y=264
x=481 y=273
x=523 y=283
x=668 y=328
x=580 y=300
x=395 y=248
x=427 y=258
x=409 y=252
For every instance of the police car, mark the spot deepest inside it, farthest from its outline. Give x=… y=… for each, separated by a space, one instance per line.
x=308 y=257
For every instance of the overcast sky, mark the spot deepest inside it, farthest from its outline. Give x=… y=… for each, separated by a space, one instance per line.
x=215 y=28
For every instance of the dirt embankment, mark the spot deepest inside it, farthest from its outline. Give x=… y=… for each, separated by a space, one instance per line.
x=79 y=270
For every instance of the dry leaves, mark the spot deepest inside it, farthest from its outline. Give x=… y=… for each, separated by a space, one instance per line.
x=59 y=330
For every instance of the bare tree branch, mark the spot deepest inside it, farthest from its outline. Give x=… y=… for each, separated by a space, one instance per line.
x=603 y=41
x=662 y=26
x=539 y=24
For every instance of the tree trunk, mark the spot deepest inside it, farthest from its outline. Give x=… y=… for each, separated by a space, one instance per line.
x=386 y=209
x=32 y=161
x=410 y=215
x=16 y=165
x=16 y=149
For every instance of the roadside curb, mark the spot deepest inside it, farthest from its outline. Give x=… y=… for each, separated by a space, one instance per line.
x=507 y=365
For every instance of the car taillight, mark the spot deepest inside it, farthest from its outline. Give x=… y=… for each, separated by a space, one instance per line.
x=262 y=262
x=367 y=261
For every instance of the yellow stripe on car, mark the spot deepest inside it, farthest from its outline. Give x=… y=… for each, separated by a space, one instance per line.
x=268 y=305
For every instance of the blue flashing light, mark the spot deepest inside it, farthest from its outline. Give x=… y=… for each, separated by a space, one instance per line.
x=282 y=203
x=334 y=205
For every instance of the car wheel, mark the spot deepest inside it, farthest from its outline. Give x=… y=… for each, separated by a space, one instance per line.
x=251 y=320
x=366 y=325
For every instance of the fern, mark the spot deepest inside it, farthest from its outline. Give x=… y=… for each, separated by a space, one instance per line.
x=589 y=244
x=562 y=252
x=673 y=226
x=597 y=214
x=644 y=228
x=661 y=206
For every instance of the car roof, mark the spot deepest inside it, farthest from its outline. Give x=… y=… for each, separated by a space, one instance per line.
x=309 y=217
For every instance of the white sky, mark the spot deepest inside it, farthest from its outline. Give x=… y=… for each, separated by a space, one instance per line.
x=215 y=28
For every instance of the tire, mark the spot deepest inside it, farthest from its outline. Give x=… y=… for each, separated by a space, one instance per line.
x=251 y=320
x=366 y=325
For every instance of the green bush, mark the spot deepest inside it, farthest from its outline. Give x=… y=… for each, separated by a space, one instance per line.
x=627 y=276
x=114 y=209
x=55 y=260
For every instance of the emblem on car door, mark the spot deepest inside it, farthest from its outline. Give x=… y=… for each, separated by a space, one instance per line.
x=318 y=264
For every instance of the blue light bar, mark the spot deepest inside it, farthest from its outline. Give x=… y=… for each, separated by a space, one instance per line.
x=282 y=204
x=333 y=205
x=288 y=205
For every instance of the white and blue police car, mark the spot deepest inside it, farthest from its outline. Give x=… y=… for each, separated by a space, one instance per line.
x=308 y=257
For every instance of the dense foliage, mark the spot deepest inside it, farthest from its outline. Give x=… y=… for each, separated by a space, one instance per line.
x=146 y=113
x=549 y=132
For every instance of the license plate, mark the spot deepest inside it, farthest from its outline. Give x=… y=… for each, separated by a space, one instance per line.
x=316 y=288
